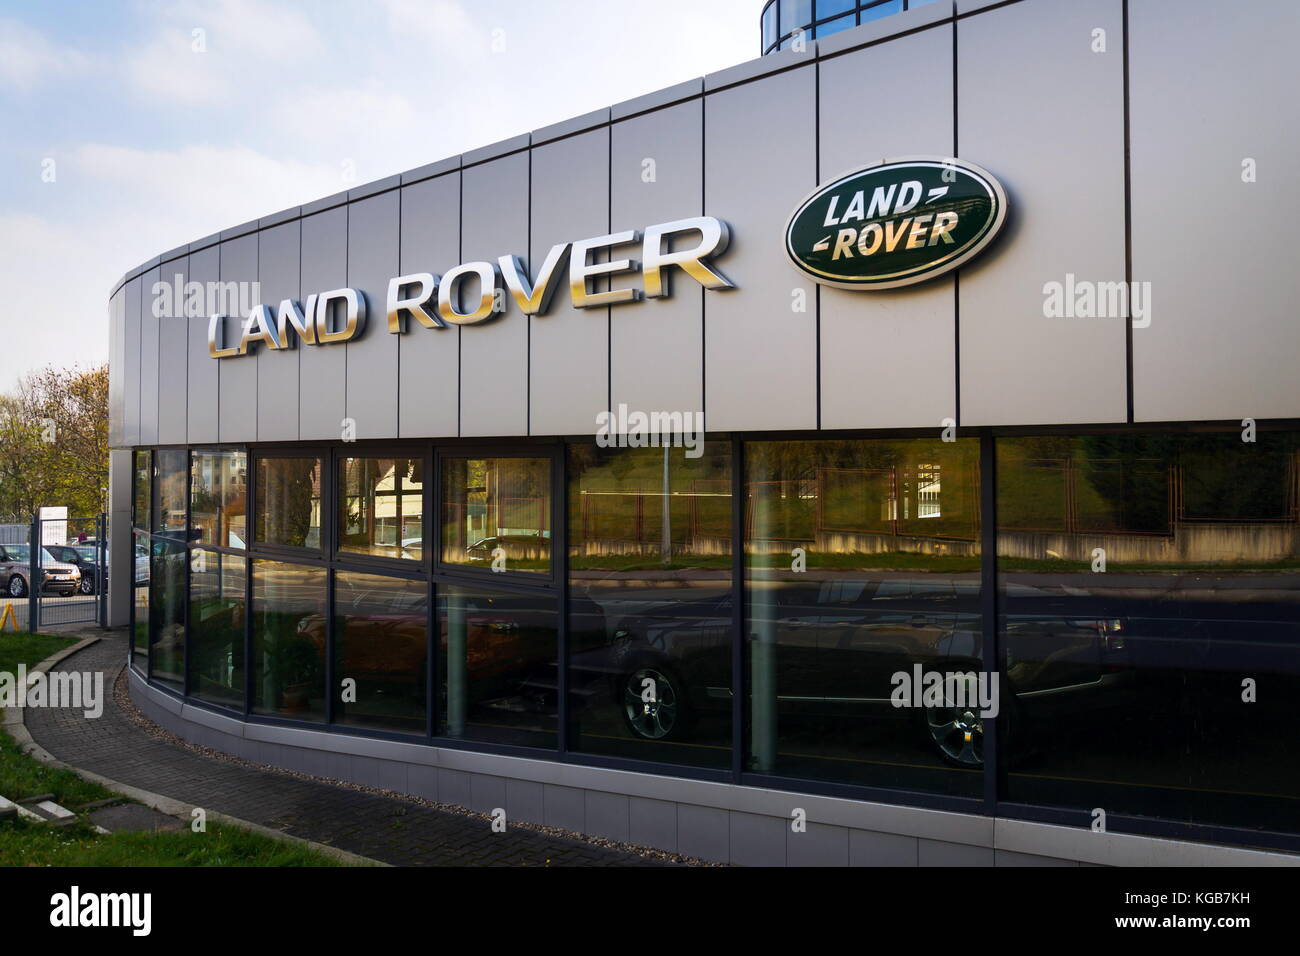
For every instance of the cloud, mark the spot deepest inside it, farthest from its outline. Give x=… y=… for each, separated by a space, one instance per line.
x=28 y=59
x=205 y=53
x=175 y=196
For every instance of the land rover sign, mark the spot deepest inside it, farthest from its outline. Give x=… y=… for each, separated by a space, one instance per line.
x=896 y=223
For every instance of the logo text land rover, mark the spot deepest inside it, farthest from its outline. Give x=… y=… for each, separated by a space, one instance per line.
x=896 y=223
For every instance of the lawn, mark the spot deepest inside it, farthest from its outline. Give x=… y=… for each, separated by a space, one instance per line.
x=37 y=844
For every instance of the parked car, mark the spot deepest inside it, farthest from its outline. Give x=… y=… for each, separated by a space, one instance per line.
x=86 y=559
x=57 y=577
x=836 y=645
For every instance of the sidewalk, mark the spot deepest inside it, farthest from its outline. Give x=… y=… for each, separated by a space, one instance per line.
x=391 y=830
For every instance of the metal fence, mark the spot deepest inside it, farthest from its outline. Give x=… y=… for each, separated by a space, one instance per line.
x=54 y=573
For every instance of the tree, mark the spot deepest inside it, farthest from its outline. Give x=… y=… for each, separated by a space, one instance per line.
x=54 y=442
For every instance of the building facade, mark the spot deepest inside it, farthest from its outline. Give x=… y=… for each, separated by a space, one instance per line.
x=997 y=567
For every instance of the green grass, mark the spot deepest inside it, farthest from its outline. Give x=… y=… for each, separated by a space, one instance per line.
x=28 y=649
x=35 y=844
x=22 y=777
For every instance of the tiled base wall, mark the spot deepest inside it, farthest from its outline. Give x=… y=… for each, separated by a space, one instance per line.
x=713 y=821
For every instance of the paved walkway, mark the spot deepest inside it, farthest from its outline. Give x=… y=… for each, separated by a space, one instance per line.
x=383 y=828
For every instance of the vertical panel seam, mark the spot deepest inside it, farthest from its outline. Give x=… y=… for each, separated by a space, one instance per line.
x=1128 y=222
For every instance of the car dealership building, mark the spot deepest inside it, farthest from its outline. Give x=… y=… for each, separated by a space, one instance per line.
x=988 y=551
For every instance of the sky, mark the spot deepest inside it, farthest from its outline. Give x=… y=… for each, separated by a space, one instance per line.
x=129 y=127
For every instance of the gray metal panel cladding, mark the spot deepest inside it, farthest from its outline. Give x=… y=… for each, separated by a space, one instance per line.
x=323 y=370
x=1216 y=248
x=760 y=352
x=569 y=348
x=237 y=416
x=429 y=359
x=657 y=347
x=202 y=381
x=279 y=261
x=1047 y=118
x=149 y=333
x=173 y=357
x=131 y=363
x=494 y=354
x=373 y=237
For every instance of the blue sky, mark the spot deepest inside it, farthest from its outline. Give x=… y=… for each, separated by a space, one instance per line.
x=154 y=143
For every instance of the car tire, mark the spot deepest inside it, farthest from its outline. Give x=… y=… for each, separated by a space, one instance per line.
x=944 y=728
x=17 y=587
x=667 y=717
x=87 y=585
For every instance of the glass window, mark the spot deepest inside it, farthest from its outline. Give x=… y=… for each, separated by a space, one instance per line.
x=140 y=598
x=498 y=680
x=795 y=14
x=1151 y=625
x=216 y=634
x=143 y=492
x=381 y=631
x=835 y=26
x=833 y=8
x=170 y=467
x=288 y=501
x=650 y=609
x=769 y=25
x=167 y=611
x=381 y=507
x=496 y=513
x=219 y=498
x=880 y=10
x=863 y=584
x=289 y=630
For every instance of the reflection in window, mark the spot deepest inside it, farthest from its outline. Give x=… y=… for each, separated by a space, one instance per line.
x=1145 y=580
x=381 y=507
x=143 y=492
x=288 y=501
x=863 y=563
x=218 y=498
x=769 y=25
x=140 y=601
x=167 y=611
x=171 y=468
x=381 y=632
x=498 y=675
x=650 y=607
x=888 y=8
x=216 y=633
x=289 y=628
x=496 y=513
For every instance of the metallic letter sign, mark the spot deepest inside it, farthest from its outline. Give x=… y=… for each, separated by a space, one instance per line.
x=897 y=223
x=439 y=302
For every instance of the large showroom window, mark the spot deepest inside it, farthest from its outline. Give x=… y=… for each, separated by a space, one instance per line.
x=289 y=619
x=216 y=629
x=651 y=608
x=497 y=653
x=381 y=507
x=381 y=640
x=496 y=514
x=863 y=567
x=1141 y=611
x=1151 y=624
x=288 y=506
x=219 y=498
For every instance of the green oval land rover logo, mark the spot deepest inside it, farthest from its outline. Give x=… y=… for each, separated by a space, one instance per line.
x=896 y=223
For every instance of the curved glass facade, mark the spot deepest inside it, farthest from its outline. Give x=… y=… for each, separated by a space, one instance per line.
x=1032 y=625
x=783 y=22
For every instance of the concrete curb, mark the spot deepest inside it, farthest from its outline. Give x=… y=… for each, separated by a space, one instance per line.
x=14 y=724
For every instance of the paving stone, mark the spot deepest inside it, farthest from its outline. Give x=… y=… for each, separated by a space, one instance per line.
x=382 y=828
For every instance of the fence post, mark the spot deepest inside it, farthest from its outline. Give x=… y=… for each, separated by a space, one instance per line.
x=34 y=575
x=101 y=572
